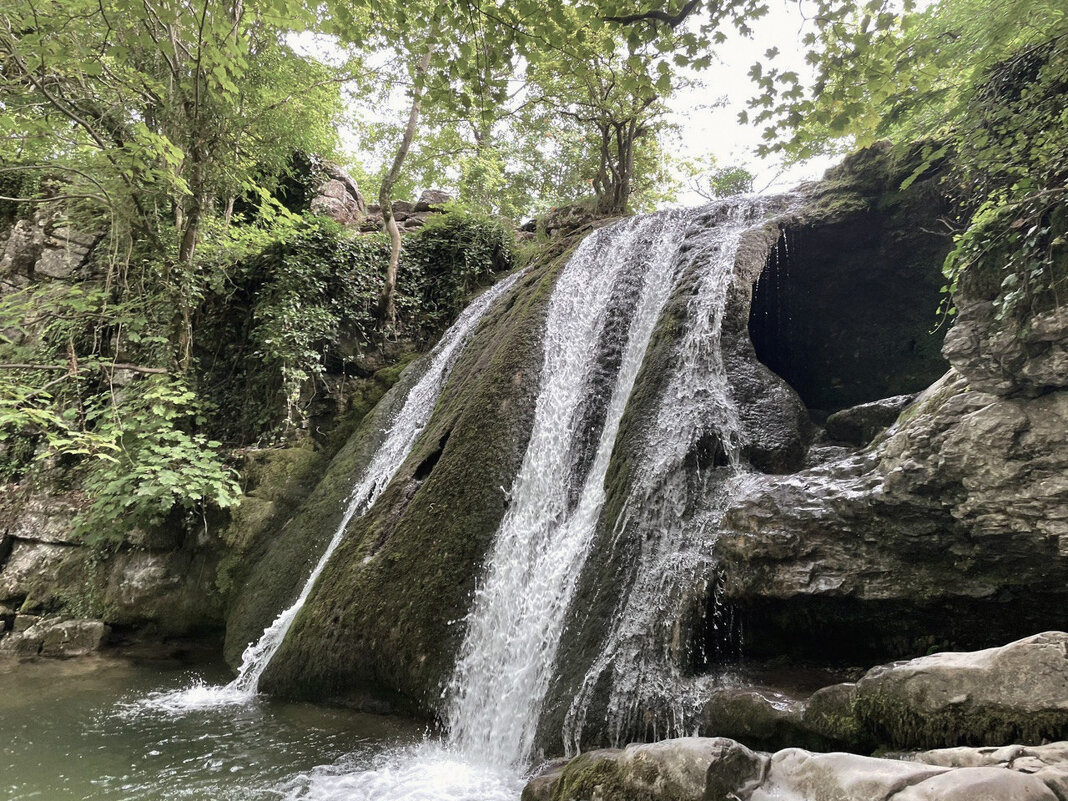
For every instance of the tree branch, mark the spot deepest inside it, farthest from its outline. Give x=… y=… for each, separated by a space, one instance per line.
x=658 y=15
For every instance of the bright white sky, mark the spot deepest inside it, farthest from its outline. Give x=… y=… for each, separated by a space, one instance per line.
x=707 y=127
x=710 y=129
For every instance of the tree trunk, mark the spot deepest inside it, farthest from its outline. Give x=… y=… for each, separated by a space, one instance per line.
x=387 y=311
x=184 y=312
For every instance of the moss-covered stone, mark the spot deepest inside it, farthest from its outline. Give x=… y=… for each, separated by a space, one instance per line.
x=295 y=501
x=1015 y=693
x=595 y=774
x=380 y=626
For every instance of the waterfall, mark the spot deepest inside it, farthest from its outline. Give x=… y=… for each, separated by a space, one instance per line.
x=673 y=507
x=403 y=433
x=601 y=317
x=507 y=657
x=388 y=458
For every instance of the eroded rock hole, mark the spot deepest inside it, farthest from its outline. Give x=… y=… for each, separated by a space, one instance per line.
x=422 y=472
x=842 y=633
x=847 y=313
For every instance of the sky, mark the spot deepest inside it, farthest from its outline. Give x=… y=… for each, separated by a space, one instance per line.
x=717 y=130
x=707 y=114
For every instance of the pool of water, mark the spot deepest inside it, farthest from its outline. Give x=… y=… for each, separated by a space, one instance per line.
x=79 y=730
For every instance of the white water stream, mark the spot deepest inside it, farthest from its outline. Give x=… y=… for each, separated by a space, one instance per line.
x=641 y=654
x=390 y=455
x=600 y=320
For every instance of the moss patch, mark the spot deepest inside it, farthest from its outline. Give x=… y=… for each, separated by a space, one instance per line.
x=295 y=501
x=381 y=621
x=893 y=724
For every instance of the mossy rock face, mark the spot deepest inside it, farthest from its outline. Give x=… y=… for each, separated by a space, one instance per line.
x=380 y=628
x=295 y=501
x=685 y=769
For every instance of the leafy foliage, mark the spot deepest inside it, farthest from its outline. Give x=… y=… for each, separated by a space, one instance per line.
x=982 y=85
x=155 y=466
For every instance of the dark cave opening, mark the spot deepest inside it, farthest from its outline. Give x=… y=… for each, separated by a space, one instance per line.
x=846 y=313
x=849 y=632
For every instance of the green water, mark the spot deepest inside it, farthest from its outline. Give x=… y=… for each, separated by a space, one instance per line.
x=67 y=733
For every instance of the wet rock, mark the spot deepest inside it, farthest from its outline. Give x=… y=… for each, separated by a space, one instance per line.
x=358 y=639
x=951 y=532
x=671 y=769
x=822 y=453
x=756 y=716
x=859 y=425
x=1018 y=692
x=541 y=785
x=733 y=772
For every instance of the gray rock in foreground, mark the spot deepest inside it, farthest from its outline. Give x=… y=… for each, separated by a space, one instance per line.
x=56 y=638
x=1016 y=692
x=718 y=769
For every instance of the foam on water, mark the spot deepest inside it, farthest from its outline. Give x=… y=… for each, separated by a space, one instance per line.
x=428 y=772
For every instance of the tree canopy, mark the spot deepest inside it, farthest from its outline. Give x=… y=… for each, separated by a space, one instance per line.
x=172 y=131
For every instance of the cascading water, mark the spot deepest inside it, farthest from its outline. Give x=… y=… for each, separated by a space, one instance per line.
x=673 y=508
x=514 y=627
x=601 y=318
x=390 y=455
x=602 y=314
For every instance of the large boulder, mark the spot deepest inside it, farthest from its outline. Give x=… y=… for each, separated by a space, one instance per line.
x=338 y=197
x=756 y=716
x=378 y=629
x=1015 y=693
x=803 y=776
x=432 y=200
x=950 y=532
x=672 y=770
